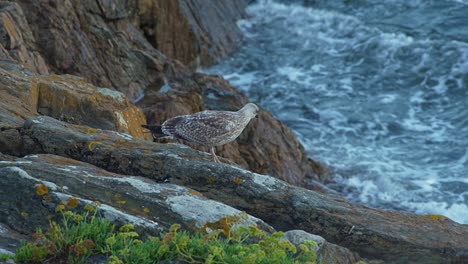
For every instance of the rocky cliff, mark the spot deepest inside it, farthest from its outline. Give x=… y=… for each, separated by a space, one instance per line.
x=78 y=78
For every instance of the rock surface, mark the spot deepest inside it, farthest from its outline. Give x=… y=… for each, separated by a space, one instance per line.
x=106 y=43
x=25 y=95
x=326 y=252
x=394 y=237
x=151 y=206
x=72 y=99
x=138 y=200
x=199 y=40
x=18 y=95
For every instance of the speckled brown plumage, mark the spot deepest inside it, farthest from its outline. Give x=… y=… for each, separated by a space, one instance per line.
x=209 y=128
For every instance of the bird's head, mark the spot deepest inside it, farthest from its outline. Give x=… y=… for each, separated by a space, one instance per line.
x=250 y=110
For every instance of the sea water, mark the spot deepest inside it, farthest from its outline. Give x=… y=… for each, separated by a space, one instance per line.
x=377 y=90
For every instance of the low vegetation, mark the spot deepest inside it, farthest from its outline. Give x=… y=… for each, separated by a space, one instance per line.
x=82 y=235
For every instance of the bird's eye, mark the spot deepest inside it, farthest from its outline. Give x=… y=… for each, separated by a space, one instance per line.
x=256 y=116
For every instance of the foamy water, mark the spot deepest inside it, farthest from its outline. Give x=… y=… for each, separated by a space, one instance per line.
x=378 y=91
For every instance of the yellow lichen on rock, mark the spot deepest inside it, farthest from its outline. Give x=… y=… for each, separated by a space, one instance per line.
x=72 y=99
x=93 y=145
x=435 y=217
x=193 y=192
x=42 y=189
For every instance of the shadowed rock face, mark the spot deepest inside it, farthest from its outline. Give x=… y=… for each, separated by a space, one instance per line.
x=199 y=40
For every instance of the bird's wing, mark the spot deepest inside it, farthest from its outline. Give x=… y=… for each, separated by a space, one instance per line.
x=205 y=126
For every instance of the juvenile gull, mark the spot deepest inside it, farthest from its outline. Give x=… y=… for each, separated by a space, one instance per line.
x=207 y=128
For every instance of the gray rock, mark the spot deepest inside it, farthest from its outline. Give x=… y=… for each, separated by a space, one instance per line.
x=326 y=252
x=395 y=237
x=151 y=206
x=298 y=237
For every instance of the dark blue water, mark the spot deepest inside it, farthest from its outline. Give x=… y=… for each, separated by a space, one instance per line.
x=377 y=90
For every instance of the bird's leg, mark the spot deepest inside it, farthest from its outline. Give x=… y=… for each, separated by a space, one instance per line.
x=213 y=154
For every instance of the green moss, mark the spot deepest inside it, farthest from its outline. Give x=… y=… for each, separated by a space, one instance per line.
x=79 y=236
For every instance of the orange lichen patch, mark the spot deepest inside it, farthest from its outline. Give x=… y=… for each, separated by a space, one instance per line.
x=121 y=202
x=238 y=180
x=91 y=130
x=93 y=145
x=72 y=202
x=42 y=189
x=146 y=210
x=435 y=217
x=24 y=214
x=194 y=192
x=225 y=224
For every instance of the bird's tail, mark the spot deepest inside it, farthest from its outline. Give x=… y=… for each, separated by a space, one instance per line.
x=155 y=130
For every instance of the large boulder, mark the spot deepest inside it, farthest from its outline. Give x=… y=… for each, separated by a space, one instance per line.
x=143 y=202
x=25 y=94
x=72 y=99
x=395 y=237
x=152 y=207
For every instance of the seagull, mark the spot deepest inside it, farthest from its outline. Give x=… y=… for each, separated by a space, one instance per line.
x=207 y=128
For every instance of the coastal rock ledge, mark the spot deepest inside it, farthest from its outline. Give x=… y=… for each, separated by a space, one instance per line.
x=78 y=78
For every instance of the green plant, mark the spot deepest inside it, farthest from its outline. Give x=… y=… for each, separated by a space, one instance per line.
x=82 y=235
x=5 y=257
